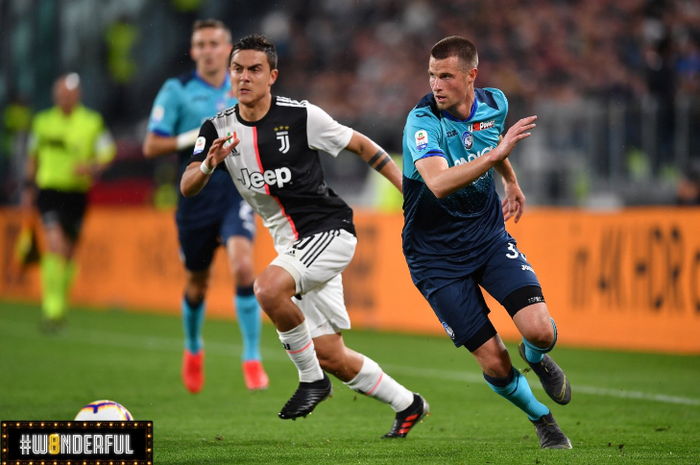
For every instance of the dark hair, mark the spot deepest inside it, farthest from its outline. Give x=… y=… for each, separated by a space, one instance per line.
x=459 y=47
x=257 y=42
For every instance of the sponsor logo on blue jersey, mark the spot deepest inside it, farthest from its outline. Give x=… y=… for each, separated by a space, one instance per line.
x=157 y=114
x=467 y=140
x=421 y=139
x=482 y=126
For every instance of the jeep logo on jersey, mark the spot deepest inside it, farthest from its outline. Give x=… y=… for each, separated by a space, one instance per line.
x=283 y=136
x=277 y=177
x=467 y=140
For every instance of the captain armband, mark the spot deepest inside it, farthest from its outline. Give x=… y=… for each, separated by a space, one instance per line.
x=379 y=160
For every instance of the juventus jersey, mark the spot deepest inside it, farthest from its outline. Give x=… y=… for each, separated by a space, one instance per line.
x=277 y=169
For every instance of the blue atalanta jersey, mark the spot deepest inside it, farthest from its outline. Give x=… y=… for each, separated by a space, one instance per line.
x=183 y=104
x=451 y=236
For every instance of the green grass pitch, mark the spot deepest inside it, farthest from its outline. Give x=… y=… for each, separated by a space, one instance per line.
x=627 y=408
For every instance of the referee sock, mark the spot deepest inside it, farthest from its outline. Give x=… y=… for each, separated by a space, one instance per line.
x=535 y=354
x=300 y=348
x=53 y=296
x=373 y=382
x=249 y=322
x=69 y=276
x=192 y=322
x=516 y=390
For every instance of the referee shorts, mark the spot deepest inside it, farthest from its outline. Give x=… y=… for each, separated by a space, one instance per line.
x=64 y=208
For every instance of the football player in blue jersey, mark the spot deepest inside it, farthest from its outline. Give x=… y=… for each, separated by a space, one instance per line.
x=219 y=216
x=454 y=236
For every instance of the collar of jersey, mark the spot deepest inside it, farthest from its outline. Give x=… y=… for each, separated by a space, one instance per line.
x=471 y=114
x=205 y=83
x=273 y=105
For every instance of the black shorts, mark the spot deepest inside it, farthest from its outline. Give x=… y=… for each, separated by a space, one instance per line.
x=64 y=208
x=199 y=242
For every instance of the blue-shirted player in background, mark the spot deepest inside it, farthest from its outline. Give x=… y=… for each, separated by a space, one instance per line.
x=218 y=215
x=454 y=235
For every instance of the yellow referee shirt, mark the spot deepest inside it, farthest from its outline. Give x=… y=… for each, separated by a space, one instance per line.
x=63 y=143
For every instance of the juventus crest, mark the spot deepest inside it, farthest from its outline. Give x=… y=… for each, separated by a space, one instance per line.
x=282 y=133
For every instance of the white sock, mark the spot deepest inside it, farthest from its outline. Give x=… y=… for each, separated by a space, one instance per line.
x=372 y=381
x=300 y=348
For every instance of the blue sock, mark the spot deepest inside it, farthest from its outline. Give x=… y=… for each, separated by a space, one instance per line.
x=535 y=354
x=249 y=321
x=518 y=393
x=192 y=321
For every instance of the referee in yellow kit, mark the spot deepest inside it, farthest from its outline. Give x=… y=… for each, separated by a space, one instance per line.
x=69 y=147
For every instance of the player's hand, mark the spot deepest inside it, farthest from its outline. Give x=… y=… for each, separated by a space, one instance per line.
x=516 y=133
x=514 y=202
x=220 y=149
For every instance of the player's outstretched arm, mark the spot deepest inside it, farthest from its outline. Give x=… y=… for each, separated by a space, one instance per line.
x=155 y=145
x=376 y=157
x=197 y=174
x=443 y=180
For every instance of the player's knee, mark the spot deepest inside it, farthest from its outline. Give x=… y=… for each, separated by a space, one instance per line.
x=273 y=288
x=243 y=272
x=497 y=367
x=493 y=359
x=265 y=294
x=269 y=294
x=542 y=335
x=196 y=289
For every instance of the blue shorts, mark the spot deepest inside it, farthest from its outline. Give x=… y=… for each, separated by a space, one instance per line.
x=199 y=242
x=459 y=303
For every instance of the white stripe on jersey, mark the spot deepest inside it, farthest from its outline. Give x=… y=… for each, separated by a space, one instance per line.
x=287 y=102
x=284 y=182
x=268 y=207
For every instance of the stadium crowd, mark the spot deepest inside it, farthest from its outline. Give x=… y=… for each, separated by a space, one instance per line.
x=358 y=58
x=361 y=61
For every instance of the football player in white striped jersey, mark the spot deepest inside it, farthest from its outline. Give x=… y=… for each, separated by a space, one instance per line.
x=269 y=146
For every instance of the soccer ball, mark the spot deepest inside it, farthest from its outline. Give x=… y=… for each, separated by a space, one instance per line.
x=104 y=410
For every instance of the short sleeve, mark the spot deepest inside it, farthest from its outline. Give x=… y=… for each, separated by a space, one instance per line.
x=502 y=103
x=325 y=133
x=105 y=148
x=423 y=134
x=33 y=141
x=164 y=114
x=502 y=120
x=207 y=135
